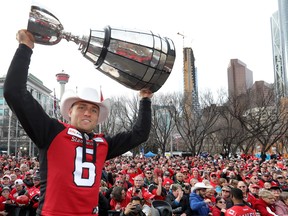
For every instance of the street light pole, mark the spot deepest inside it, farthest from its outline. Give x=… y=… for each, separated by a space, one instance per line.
x=9 y=132
x=30 y=147
x=171 y=144
x=183 y=36
x=16 y=135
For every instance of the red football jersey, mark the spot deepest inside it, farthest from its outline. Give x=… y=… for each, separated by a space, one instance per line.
x=240 y=210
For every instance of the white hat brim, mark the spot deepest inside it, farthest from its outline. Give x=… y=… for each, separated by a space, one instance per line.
x=69 y=100
x=200 y=187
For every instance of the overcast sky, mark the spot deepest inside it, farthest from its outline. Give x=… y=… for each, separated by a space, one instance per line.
x=217 y=31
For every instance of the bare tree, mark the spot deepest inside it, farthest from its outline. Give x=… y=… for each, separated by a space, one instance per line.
x=195 y=123
x=162 y=121
x=262 y=117
x=123 y=114
x=231 y=135
x=114 y=122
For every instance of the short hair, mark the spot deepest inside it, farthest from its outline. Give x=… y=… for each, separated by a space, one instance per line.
x=237 y=193
x=283 y=195
x=174 y=187
x=265 y=193
x=226 y=188
x=218 y=198
x=136 y=198
x=222 y=180
x=116 y=193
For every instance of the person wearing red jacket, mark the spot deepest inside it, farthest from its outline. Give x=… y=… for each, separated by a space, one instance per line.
x=214 y=180
x=219 y=208
x=33 y=194
x=6 y=198
x=119 y=199
x=239 y=208
x=247 y=196
x=18 y=173
x=157 y=188
x=265 y=177
x=74 y=146
x=138 y=188
x=196 y=175
x=265 y=204
x=19 y=188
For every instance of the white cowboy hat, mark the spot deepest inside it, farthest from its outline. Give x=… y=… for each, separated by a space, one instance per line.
x=200 y=185
x=85 y=94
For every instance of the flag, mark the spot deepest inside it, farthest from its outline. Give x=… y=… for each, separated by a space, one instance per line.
x=101 y=95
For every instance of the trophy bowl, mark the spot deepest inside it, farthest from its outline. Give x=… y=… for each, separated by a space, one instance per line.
x=137 y=59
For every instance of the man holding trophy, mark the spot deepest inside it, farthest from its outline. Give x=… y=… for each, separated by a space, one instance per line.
x=71 y=155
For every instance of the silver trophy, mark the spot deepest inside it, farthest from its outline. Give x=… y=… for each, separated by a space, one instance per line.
x=136 y=59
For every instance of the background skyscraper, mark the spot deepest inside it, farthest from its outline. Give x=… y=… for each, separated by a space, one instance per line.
x=279 y=32
x=240 y=78
x=190 y=78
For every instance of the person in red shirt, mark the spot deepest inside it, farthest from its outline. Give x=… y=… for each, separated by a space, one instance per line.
x=265 y=177
x=186 y=174
x=118 y=183
x=119 y=199
x=196 y=175
x=138 y=189
x=265 y=204
x=133 y=171
x=157 y=188
x=214 y=180
x=71 y=145
x=166 y=177
x=254 y=190
x=210 y=194
x=239 y=208
x=247 y=196
x=122 y=177
x=5 y=199
x=219 y=208
x=18 y=173
x=6 y=181
x=19 y=188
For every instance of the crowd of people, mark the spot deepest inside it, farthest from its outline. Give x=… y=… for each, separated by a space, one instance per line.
x=80 y=172
x=83 y=173
x=20 y=186
x=191 y=185
x=198 y=185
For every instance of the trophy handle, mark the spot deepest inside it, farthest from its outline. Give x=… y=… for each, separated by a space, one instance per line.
x=45 y=27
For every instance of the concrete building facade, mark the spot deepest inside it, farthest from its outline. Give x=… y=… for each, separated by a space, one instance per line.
x=11 y=133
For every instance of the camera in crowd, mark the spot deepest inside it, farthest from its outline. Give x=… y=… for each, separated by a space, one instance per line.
x=138 y=208
x=137 y=211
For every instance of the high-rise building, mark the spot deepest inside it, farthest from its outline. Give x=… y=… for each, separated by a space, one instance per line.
x=262 y=93
x=240 y=78
x=190 y=78
x=279 y=32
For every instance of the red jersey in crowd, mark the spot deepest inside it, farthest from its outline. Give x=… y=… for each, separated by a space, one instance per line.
x=240 y=210
x=122 y=204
